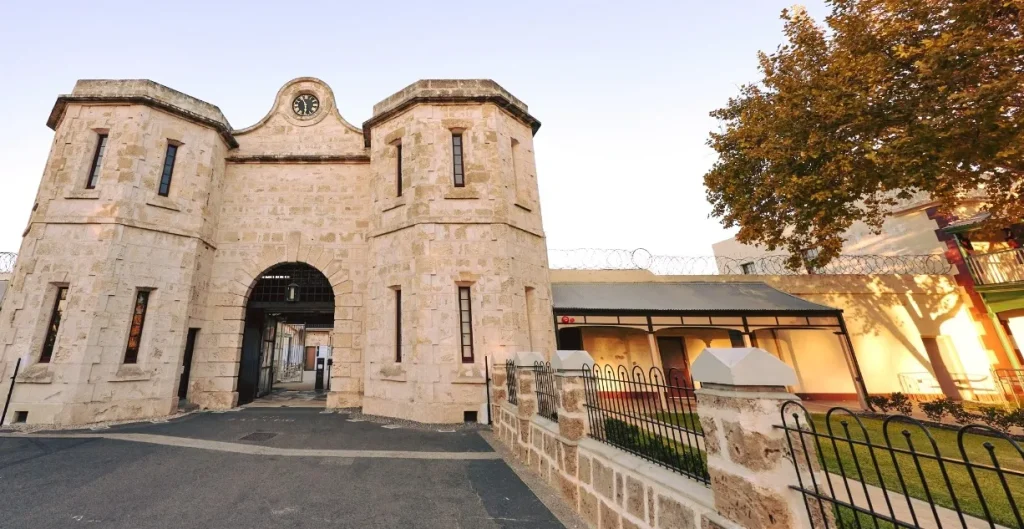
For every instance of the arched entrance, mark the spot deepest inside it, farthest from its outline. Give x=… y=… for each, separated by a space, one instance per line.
x=287 y=300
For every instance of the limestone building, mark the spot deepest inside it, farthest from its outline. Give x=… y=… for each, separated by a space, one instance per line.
x=165 y=245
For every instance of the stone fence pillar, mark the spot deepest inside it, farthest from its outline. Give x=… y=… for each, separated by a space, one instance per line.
x=573 y=423
x=739 y=404
x=526 y=398
x=499 y=390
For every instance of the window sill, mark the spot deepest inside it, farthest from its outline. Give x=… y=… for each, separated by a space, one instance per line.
x=462 y=193
x=469 y=380
x=36 y=374
x=393 y=373
x=163 y=202
x=130 y=373
x=395 y=205
x=83 y=194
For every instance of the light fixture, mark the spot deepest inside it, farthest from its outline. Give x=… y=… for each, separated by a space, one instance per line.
x=292 y=294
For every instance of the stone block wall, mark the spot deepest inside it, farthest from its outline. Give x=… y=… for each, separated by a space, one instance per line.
x=608 y=487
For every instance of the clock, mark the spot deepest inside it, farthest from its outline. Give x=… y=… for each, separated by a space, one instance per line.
x=305 y=105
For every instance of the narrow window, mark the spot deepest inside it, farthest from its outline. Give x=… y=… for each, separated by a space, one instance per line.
x=398 y=325
x=59 y=305
x=165 y=177
x=466 y=322
x=398 y=171
x=131 y=355
x=460 y=177
x=748 y=268
x=530 y=302
x=97 y=160
x=515 y=171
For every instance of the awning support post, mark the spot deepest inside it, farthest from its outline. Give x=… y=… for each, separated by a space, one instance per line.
x=851 y=357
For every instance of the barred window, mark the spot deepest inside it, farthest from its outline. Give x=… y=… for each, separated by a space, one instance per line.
x=131 y=354
x=748 y=268
x=97 y=161
x=466 y=325
x=59 y=305
x=165 y=176
x=460 y=177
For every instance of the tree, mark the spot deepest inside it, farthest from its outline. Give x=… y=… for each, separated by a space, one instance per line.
x=889 y=100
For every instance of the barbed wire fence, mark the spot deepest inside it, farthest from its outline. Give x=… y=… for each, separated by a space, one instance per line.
x=7 y=260
x=641 y=259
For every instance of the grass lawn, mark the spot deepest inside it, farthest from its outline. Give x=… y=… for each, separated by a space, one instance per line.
x=841 y=456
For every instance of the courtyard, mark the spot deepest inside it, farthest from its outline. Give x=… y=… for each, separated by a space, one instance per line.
x=263 y=468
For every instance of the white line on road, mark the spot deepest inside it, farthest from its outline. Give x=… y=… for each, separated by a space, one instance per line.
x=236 y=448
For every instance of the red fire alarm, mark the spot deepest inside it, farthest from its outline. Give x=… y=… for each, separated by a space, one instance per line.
x=565 y=319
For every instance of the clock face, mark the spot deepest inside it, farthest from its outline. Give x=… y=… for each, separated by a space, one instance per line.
x=305 y=105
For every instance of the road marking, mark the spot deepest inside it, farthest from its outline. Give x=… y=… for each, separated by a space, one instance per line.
x=236 y=448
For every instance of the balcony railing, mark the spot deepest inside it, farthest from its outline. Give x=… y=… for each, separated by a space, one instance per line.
x=997 y=268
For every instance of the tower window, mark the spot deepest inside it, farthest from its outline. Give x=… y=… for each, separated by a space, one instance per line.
x=460 y=176
x=59 y=305
x=398 y=325
x=165 y=176
x=466 y=325
x=131 y=354
x=97 y=161
x=398 y=170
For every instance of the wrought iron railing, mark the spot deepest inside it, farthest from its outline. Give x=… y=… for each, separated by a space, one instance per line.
x=997 y=268
x=511 y=384
x=1011 y=384
x=546 y=389
x=641 y=259
x=647 y=414
x=7 y=260
x=870 y=473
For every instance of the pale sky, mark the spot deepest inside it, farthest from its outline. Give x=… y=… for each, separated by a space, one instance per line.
x=623 y=89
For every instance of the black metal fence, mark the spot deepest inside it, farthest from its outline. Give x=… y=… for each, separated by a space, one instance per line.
x=546 y=389
x=641 y=259
x=897 y=472
x=511 y=384
x=649 y=414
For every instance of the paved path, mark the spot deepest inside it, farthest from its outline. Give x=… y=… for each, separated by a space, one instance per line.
x=195 y=472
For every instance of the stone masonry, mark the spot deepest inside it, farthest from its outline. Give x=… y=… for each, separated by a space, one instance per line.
x=292 y=188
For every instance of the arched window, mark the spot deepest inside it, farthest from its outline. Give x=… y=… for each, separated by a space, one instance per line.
x=310 y=284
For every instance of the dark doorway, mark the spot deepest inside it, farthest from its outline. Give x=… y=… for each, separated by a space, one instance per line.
x=186 y=370
x=676 y=364
x=288 y=293
x=570 y=339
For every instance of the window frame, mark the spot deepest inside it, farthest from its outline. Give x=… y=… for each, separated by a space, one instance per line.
x=53 y=329
x=398 y=325
x=97 y=160
x=467 y=315
x=748 y=271
x=458 y=160
x=167 y=172
x=398 y=169
x=131 y=352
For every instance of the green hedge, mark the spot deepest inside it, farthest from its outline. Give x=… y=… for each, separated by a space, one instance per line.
x=632 y=438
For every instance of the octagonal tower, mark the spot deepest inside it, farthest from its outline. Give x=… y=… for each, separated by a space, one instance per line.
x=457 y=256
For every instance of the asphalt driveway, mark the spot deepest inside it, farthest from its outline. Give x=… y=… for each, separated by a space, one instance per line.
x=109 y=482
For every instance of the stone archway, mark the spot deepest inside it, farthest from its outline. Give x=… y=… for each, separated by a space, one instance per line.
x=284 y=298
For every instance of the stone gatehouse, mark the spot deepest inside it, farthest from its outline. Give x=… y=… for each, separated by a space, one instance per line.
x=163 y=240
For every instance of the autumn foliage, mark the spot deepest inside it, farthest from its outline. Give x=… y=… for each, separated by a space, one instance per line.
x=885 y=101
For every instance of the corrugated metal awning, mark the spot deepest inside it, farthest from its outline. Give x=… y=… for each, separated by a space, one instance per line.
x=692 y=297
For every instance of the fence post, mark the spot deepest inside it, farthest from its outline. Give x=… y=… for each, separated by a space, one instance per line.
x=499 y=392
x=739 y=404
x=569 y=367
x=527 y=401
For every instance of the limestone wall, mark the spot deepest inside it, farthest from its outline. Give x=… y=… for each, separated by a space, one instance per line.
x=105 y=244
x=436 y=237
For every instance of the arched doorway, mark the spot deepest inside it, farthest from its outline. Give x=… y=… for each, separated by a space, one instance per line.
x=287 y=300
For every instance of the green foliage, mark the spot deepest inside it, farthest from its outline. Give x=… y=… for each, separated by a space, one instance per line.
x=901 y=403
x=656 y=447
x=890 y=101
x=937 y=409
x=880 y=402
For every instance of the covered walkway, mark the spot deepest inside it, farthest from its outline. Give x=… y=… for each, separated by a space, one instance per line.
x=666 y=325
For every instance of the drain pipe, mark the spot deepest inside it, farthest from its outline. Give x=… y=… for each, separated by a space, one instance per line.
x=10 y=391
